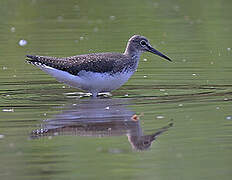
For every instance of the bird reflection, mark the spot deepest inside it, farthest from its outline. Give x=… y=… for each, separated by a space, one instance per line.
x=100 y=118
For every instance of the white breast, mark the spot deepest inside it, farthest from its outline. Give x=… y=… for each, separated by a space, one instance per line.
x=103 y=82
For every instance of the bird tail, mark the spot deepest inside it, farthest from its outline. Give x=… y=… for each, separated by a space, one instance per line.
x=31 y=58
x=34 y=60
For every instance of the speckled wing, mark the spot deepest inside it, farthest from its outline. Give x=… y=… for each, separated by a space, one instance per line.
x=100 y=62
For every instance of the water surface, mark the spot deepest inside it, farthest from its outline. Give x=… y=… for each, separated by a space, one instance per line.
x=169 y=121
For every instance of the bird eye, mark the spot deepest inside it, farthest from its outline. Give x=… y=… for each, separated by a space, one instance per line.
x=143 y=43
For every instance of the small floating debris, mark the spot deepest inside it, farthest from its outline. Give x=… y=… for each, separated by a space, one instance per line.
x=60 y=18
x=8 y=110
x=12 y=29
x=179 y=155
x=194 y=74
x=136 y=117
x=2 y=136
x=63 y=86
x=11 y=145
x=228 y=117
x=115 y=151
x=144 y=76
x=4 y=68
x=144 y=59
x=180 y=105
x=176 y=8
x=126 y=95
x=162 y=90
x=76 y=7
x=81 y=38
x=112 y=18
x=107 y=108
x=217 y=107
x=22 y=42
x=155 y=4
x=95 y=29
x=159 y=117
x=228 y=49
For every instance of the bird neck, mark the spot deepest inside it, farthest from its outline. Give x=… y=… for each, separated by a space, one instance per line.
x=132 y=52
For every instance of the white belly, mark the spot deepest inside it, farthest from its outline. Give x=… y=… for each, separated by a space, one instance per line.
x=90 y=81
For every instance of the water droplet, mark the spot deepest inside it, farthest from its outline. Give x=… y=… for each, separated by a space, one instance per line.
x=22 y=42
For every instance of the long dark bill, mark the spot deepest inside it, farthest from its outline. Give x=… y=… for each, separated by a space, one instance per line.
x=154 y=51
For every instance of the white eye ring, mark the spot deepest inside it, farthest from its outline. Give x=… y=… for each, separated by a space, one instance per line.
x=143 y=43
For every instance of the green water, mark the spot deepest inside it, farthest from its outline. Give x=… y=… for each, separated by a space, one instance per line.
x=98 y=139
